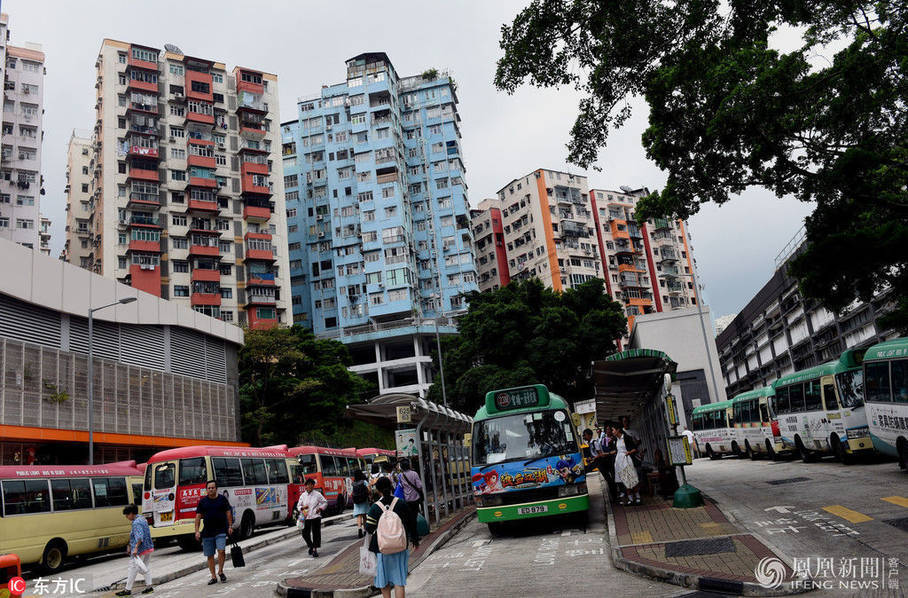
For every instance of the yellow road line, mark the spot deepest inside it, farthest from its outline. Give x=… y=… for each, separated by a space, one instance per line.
x=643 y=537
x=897 y=500
x=847 y=514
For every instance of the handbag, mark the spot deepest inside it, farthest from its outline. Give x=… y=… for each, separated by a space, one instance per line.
x=422 y=496
x=422 y=526
x=140 y=564
x=236 y=555
x=399 y=491
x=368 y=562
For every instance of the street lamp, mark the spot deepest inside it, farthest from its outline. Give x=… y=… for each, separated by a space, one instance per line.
x=91 y=376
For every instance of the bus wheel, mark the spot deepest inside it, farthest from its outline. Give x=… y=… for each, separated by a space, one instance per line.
x=735 y=449
x=841 y=455
x=902 y=448
x=710 y=453
x=495 y=528
x=802 y=450
x=247 y=525
x=749 y=451
x=770 y=452
x=188 y=543
x=54 y=555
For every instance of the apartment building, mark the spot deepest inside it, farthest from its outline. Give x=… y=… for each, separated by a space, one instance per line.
x=380 y=242
x=649 y=264
x=21 y=183
x=488 y=237
x=779 y=331
x=187 y=195
x=44 y=235
x=77 y=248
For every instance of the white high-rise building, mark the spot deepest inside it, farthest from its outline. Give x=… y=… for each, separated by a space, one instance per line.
x=78 y=247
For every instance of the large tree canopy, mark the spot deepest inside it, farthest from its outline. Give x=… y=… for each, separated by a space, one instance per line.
x=728 y=111
x=295 y=386
x=526 y=333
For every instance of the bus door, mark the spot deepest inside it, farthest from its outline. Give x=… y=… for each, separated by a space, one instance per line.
x=161 y=486
x=815 y=417
x=332 y=482
x=767 y=429
x=295 y=487
x=191 y=481
x=832 y=409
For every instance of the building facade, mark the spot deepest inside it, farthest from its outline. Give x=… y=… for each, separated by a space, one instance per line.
x=492 y=268
x=21 y=183
x=78 y=247
x=780 y=332
x=44 y=235
x=187 y=191
x=380 y=242
x=164 y=375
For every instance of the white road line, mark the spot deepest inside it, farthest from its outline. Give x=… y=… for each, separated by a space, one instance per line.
x=565 y=533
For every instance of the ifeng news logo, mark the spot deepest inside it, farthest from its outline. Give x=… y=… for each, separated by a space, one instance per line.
x=830 y=573
x=770 y=572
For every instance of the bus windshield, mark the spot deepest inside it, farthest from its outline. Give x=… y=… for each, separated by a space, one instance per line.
x=522 y=436
x=851 y=388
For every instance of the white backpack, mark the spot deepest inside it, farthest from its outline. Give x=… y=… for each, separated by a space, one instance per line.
x=392 y=537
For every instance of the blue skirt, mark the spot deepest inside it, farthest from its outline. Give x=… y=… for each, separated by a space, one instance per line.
x=361 y=508
x=391 y=569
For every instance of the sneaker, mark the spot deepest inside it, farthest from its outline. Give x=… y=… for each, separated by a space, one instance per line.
x=359 y=533
x=148 y=590
x=314 y=553
x=310 y=552
x=212 y=581
x=223 y=577
x=124 y=593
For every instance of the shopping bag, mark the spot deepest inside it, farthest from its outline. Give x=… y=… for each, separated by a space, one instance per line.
x=422 y=526
x=236 y=555
x=368 y=563
x=140 y=564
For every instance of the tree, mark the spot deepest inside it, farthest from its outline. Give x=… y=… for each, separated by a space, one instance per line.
x=525 y=333
x=728 y=111
x=294 y=385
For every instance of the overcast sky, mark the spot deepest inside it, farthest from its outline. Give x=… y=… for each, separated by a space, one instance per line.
x=306 y=43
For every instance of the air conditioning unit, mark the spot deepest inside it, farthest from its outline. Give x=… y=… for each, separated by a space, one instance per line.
x=177 y=94
x=171 y=139
x=319 y=217
x=221 y=146
x=321 y=235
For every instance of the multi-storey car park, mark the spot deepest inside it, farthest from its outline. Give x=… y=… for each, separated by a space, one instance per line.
x=187 y=192
x=380 y=242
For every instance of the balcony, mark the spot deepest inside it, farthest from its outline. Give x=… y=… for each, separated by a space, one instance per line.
x=258 y=250
x=627 y=268
x=142 y=107
x=204 y=80
x=200 y=181
x=251 y=87
x=143 y=199
x=205 y=299
x=256 y=183
x=204 y=250
x=140 y=85
x=143 y=220
x=261 y=298
x=143 y=129
x=262 y=279
x=143 y=174
x=202 y=205
x=147 y=246
x=202 y=275
x=256 y=213
x=202 y=161
x=142 y=151
x=141 y=64
x=252 y=131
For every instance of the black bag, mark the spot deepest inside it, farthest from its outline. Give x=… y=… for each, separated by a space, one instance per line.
x=236 y=555
x=360 y=492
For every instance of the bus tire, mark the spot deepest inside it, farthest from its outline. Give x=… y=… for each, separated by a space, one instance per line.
x=247 y=525
x=711 y=454
x=735 y=449
x=770 y=452
x=841 y=455
x=749 y=451
x=189 y=544
x=805 y=455
x=901 y=445
x=54 y=556
x=495 y=528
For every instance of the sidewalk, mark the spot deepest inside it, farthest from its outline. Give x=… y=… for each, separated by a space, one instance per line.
x=341 y=578
x=699 y=548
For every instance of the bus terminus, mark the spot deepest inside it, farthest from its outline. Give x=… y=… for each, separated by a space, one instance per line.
x=53 y=512
x=711 y=428
x=756 y=431
x=821 y=409
x=886 y=394
x=526 y=457
x=254 y=480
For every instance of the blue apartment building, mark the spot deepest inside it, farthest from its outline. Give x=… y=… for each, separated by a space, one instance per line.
x=381 y=250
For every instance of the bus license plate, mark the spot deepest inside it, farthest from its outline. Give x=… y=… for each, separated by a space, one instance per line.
x=532 y=510
x=167 y=516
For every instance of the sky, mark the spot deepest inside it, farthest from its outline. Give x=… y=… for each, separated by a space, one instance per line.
x=306 y=43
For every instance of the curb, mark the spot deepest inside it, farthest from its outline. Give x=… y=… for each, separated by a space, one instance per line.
x=365 y=591
x=254 y=545
x=687 y=580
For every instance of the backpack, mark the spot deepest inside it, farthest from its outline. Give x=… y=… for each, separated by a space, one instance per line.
x=392 y=538
x=360 y=492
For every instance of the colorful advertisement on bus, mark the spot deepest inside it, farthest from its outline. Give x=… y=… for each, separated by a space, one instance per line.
x=517 y=475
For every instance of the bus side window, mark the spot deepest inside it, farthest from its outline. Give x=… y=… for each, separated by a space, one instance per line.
x=137 y=495
x=164 y=477
x=308 y=464
x=764 y=413
x=81 y=489
x=254 y=471
x=193 y=471
x=796 y=398
x=148 y=470
x=832 y=403
x=812 y=400
x=99 y=485
x=30 y=496
x=227 y=471
x=277 y=471
x=116 y=492
x=329 y=468
x=780 y=402
x=900 y=381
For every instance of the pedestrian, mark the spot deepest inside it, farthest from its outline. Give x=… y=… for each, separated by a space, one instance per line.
x=311 y=505
x=214 y=509
x=625 y=469
x=626 y=426
x=413 y=496
x=360 y=501
x=140 y=547
x=691 y=442
x=391 y=569
x=607 y=461
x=593 y=452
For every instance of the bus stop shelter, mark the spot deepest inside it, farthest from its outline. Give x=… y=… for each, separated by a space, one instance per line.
x=632 y=384
x=443 y=456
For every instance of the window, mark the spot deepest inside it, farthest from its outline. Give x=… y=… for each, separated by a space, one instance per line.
x=217 y=77
x=177 y=175
x=227 y=472
x=109 y=492
x=25 y=223
x=180 y=266
x=277 y=471
x=177 y=153
x=180 y=291
x=179 y=242
x=226 y=293
x=29 y=496
x=165 y=476
x=71 y=494
x=265 y=313
x=121 y=260
x=254 y=471
x=812 y=401
x=177 y=132
x=176 y=69
x=193 y=471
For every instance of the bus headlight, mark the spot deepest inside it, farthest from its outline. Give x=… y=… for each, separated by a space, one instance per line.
x=489 y=500
x=572 y=489
x=860 y=432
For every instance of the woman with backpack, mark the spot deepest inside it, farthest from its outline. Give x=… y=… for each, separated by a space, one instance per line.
x=360 y=500
x=385 y=522
x=413 y=495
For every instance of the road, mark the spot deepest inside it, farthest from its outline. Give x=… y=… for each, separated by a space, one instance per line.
x=537 y=558
x=817 y=510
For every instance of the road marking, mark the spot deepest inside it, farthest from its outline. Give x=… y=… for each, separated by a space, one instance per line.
x=897 y=500
x=643 y=537
x=565 y=533
x=847 y=514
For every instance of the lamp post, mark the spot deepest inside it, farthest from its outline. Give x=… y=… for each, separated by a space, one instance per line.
x=441 y=364
x=91 y=375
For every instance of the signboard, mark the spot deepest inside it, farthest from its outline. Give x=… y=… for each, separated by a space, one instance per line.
x=672 y=412
x=405 y=441
x=679 y=450
x=404 y=415
x=521 y=397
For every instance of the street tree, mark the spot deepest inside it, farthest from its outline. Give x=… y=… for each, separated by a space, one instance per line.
x=525 y=333
x=294 y=385
x=824 y=122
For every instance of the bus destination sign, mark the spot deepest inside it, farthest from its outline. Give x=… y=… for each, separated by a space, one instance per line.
x=516 y=398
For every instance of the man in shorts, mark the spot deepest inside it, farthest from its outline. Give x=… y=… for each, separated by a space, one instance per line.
x=214 y=510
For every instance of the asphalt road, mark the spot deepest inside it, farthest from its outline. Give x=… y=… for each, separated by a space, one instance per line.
x=853 y=517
